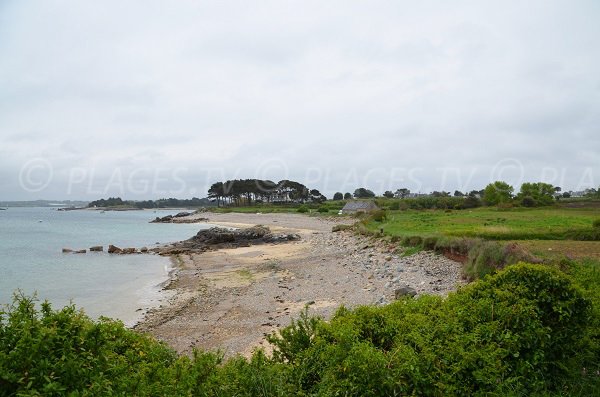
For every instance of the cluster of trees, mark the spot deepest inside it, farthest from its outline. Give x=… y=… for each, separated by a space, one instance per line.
x=161 y=203
x=496 y=193
x=530 y=195
x=592 y=193
x=250 y=191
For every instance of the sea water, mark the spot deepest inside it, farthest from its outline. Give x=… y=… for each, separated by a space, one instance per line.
x=116 y=286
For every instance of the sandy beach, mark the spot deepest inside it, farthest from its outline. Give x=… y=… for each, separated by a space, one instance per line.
x=229 y=299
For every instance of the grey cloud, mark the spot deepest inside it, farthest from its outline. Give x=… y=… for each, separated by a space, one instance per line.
x=335 y=93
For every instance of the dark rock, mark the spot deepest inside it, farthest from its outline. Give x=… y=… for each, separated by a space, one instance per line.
x=97 y=248
x=67 y=250
x=128 y=251
x=404 y=290
x=164 y=219
x=217 y=237
x=181 y=217
x=114 y=249
x=80 y=252
x=182 y=214
x=144 y=249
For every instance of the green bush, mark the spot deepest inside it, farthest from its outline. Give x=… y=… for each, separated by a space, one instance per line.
x=596 y=224
x=519 y=332
x=527 y=330
x=528 y=201
x=487 y=257
x=394 y=206
x=323 y=209
x=378 y=215
x=303 y=209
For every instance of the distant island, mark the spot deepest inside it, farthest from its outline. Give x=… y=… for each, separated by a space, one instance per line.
x=43 y=203
x=120 y=204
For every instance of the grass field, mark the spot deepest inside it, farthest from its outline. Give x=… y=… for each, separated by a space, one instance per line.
x=545 y=232
x=490 y=223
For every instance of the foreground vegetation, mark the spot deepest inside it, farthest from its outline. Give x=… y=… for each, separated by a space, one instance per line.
x=528 y=330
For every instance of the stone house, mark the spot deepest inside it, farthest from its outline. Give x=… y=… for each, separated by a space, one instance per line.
x=355 y=206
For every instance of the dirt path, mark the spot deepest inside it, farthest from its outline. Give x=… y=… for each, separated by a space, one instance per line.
x=231 y=298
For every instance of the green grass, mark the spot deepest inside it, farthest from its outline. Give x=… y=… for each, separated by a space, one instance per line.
x=550 y=223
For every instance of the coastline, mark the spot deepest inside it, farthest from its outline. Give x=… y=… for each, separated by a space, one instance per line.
x=230 y=298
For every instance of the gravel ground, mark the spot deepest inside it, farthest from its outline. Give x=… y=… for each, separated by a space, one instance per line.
x=230 y=299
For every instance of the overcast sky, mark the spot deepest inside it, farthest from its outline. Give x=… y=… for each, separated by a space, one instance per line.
x=149 y=99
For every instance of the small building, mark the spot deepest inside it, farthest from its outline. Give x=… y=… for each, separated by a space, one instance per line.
x=355 y=206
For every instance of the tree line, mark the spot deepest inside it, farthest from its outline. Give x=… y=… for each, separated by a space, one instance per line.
x=252 y=191
x=148 y=204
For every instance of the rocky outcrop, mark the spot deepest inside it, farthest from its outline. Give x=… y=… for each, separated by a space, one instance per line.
x=182 y=217
x=72 y=251
x=113 y=249
x=217 y=237
x=97 y=248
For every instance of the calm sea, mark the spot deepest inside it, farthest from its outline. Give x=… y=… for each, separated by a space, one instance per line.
x=31 y=241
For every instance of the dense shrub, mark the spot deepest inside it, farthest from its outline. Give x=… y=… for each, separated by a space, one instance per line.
x=378 y=215
x=323 y=209
x=528 y=330
x=487 y=257
x=517 y=333
x=303 y=209
x=528 y=201
x=596 y=224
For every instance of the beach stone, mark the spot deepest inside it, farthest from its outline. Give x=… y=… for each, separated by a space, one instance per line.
x=144 y=249
x=112 y=249
x=96 y=248
x=404 y=290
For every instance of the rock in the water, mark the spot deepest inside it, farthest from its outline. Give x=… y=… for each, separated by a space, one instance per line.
x=144 y=249
x=96 y=248
x=112 y=249
x=80 y=252
x=128 y=251
x=67 y=250
x=404 y=290
x=164 y=219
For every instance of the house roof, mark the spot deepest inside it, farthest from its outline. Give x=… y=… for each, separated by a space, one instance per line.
x=359 y=205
